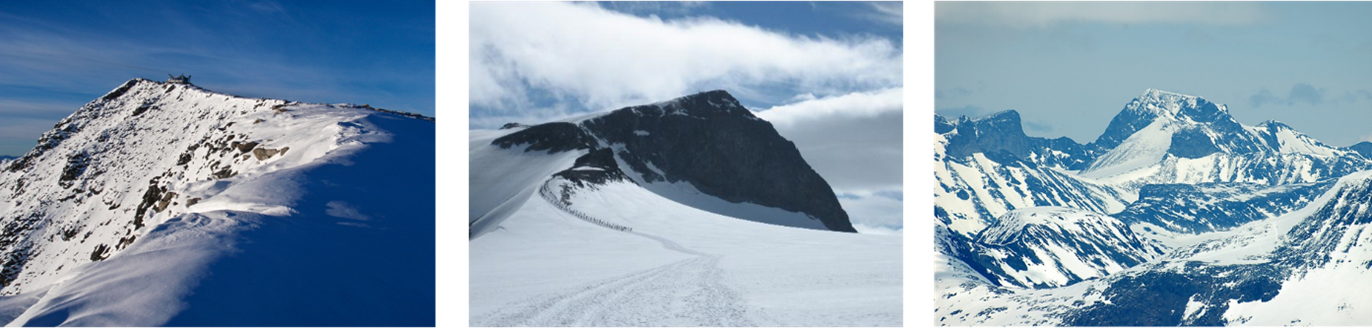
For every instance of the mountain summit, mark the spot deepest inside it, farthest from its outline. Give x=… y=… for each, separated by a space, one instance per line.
x=704 y=150
x=165 y=203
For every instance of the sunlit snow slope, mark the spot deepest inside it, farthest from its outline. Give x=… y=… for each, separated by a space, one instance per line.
x=167 y=204
x=584 y=238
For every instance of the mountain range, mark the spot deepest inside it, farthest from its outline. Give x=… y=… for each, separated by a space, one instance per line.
x=1176 y=215
x=169 y=204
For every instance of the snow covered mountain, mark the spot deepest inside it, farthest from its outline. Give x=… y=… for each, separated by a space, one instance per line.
x=1056 y=246
x=681 y=213
x=164 y=203
x=1223 y=224
x=982 y=177
x=704 y=150
x=1164 y=137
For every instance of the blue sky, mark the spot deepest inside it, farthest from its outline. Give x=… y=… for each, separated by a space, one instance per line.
x=828 y=75
x=59 y=56
x=1068 y=68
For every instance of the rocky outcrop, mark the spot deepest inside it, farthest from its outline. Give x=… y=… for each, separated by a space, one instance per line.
x=1362 y=148
x=711 y=141
x=552 y=137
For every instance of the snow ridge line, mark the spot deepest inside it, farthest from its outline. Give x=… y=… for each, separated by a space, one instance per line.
x=547 y=193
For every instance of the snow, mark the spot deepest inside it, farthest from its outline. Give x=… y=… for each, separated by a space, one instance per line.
x=681 y=264
x=1293 y=142
x=260 y=247
x=508 y=177
x=1142 y=149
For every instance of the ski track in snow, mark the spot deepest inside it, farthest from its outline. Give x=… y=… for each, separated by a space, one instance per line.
x=689 y=292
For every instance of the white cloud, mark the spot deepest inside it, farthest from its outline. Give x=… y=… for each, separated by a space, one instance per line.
x=854 y=141
x=872 y=212
x=344 y=210
x=603 y=59
x=1042 y=14
x=857 y=104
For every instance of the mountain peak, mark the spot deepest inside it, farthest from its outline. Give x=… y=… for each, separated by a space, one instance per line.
x=706 y=104
x=1167 y=103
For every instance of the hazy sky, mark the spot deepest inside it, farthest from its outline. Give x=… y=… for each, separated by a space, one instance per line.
x=57 y=56
x=827 y=75
x=1068 y=68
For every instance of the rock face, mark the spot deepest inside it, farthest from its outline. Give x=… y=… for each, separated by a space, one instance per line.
x=1362 y=148
x=552 y=137
x=708 y=140
x=717 y=145
x=1055 y=246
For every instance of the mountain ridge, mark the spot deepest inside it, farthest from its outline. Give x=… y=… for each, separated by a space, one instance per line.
x=120 y=213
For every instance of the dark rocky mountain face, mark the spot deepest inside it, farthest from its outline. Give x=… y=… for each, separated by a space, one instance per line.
x=713 y=142
x=1001 y=137
x=552 y=137
x=1363 y=148
x=708 y=140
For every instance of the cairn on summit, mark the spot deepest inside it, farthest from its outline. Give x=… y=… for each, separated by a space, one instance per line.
x=183 y=79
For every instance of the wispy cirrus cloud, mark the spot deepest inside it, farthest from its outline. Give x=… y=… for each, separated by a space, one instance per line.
x=1044 y=14
x=890 y=12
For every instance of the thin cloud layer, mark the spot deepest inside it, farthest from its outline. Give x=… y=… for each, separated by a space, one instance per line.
x=1043 y=14
x=524 y=55
x=853 y=140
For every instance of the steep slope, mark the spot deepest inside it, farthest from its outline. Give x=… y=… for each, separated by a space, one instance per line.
x=1363 y=148
x=1295 y=267
x=1045 y=247
x=165 y=203
x=976 y=186
x=1165 y=137
x=707 y=143
x=703 y=150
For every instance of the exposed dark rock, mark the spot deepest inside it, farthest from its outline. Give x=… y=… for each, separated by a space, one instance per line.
x=166 y=199
x=717 y=145
x=185 y=158
x=125 y=241
x=941 y=124
x=1192 y=143
x=151 y=197
x=989 y=134
x=553 y=137
x=120 y=90
x=245 y=147
x=263 y=154
x=1363 y=148
x=596 y=167
x=511 y=125
x=143 y=108
x=76 y=165
x=100 y=253
x=223 y=173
